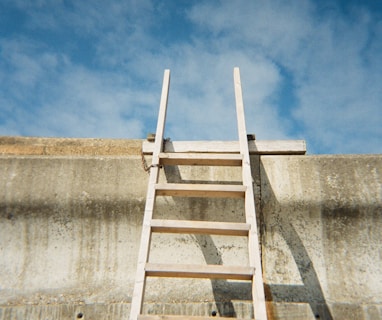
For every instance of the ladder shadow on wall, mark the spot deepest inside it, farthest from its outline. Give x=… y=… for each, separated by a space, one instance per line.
x=224 y=292
x=278 y=223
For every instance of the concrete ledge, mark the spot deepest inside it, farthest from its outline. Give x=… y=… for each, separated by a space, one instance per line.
x=68 y=146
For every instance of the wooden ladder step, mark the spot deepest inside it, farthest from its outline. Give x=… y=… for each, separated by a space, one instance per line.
x=201 y=159
x=200 y=190
x=200 y=227
x=178 y=317
x=199 y=271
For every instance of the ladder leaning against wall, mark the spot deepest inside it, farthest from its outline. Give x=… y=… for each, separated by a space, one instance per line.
x=145 y=269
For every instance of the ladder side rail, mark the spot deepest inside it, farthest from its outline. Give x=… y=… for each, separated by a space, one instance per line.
x=258 y=295
x=140 y=279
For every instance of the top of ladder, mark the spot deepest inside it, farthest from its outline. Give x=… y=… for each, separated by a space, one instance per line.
x=260 y=147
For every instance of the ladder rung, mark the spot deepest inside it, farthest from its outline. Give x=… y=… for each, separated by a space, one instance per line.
x=200 y=227
x=200 y=190
x=199 y=271
x=202 y=159
x=178 y=317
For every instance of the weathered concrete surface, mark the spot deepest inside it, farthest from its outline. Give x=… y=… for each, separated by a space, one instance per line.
x=70 y=229
x=322 y=243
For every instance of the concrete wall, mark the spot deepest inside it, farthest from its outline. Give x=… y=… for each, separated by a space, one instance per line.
x=322 y=244
x=71 y=213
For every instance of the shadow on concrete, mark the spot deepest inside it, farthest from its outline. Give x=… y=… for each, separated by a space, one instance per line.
x=224 y=292
x=310 y=292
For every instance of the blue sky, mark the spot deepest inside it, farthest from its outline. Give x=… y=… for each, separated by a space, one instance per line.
x=310 y=69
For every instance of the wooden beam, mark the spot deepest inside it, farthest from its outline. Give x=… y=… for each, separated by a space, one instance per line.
x=200 y=190
x=201 y=159
x=199 y=271
x=200 y=227
x=262 y=147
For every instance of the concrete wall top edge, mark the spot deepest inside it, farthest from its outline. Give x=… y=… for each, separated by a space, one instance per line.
x=71 y=157
x=18 y=145
x=69 y=146
x=345 y=181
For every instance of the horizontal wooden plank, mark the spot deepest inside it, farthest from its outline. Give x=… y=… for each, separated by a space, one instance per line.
x=204 y=159
x=200 y=190
x=199 y=271
x=180 y=317
x=200 y=227
x=282 y=147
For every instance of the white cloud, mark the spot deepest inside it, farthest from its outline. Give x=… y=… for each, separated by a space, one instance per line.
x=113 y=90
x=336 y=82
x=67 y=99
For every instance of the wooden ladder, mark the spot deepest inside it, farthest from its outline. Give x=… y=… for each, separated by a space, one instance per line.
x=253 y=272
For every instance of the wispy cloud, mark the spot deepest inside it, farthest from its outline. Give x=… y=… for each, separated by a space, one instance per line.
x=46 y=94
x=336 y=78
x=309 y=70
